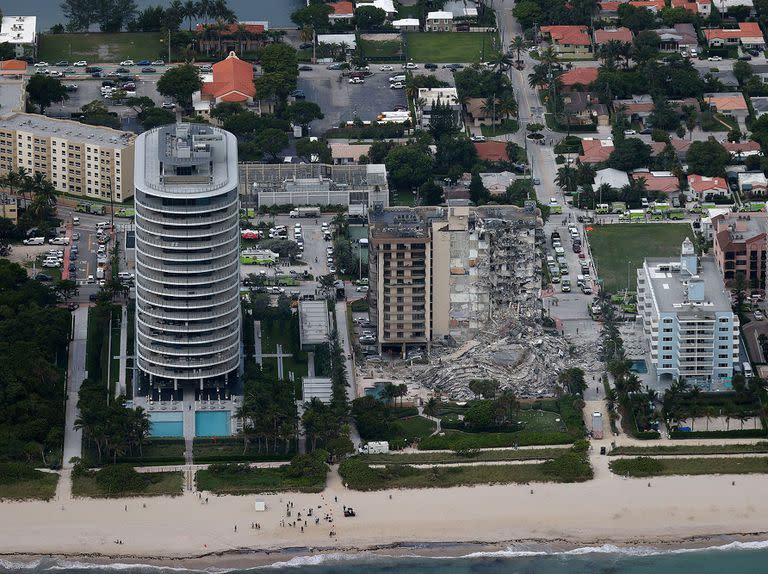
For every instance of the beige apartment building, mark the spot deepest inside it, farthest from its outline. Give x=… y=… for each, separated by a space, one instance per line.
x=439 y=273
x=8 y=208
x=78 y=159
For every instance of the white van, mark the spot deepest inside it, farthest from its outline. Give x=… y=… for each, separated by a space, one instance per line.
x=396 y=79
x=125 y=275
x=34 y=241
x=747 y=369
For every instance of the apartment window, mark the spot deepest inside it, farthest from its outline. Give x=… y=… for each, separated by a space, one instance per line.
x=666 y=365
x=666 y=339
x=722 y=365
x=666 y=330
x=666 y=348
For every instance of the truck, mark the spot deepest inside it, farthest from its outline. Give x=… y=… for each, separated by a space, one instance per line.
x=597 y=425
x=393 y=117
x=305 y=212
x=85 y=207
x=100 y=273
x=258 y=257
x=375 y=447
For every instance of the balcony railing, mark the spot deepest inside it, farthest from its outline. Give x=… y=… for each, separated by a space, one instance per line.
x=188 y=268
x=188 y=351
x=199 y=324
x=186 y=233
x=187 y=280
x=208 y=254
x=210 y=219
x=231 y=296
x=209 y=242
x=189 y=373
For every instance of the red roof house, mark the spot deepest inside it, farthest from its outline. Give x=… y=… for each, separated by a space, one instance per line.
x=702 y=185
x=342 y=10
x=595 y=151
x=232 y=81
x=622 y=34
x=578 y=76
x=12 y=66
x=661 y=181
x=652 y=5
x=571 y=39
x=492 y=151
x=743 y=149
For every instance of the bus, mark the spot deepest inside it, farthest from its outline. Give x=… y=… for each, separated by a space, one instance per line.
x=258 y=257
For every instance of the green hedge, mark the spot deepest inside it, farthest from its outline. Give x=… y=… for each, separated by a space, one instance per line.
x=647 y=435
x=639 y=466
x=740 y=433
x=493 y=440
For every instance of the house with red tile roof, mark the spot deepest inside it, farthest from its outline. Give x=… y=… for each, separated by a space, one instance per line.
x=728 y=103
x=578 y=77
x=679 y=145
x=742 y=149
x=703 y=7
x=609 y=10
x=701 y=186
x=606 y=35
x=569 y=40
x=231 y=81
x=595 y=150
x=659 y=181
x=341 y=11
x=13 y=67
x=237 y=37
x=748 y=34
x=492 y=151
x=652 y=5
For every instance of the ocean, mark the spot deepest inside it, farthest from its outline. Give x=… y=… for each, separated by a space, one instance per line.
x=48 y=12
x=736 y=557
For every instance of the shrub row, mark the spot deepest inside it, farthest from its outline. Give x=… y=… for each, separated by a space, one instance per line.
x=739 y=433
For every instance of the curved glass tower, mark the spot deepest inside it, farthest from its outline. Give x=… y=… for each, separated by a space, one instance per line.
x=187 y=257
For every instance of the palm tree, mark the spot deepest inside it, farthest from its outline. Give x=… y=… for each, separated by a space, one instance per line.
x=190 y=11
x=205 y=9
x=488 y=107
x=710 y=412
x=14 y=179
x=566 y=178
x=517 y=44
x=507 y=106
x=242 y=35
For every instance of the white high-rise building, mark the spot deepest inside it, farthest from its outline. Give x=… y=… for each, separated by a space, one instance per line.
x=687 y=318
x=187 y=259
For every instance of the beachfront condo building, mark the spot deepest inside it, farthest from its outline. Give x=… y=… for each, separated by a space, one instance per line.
x=87 y=161
x=687 y=319
x=187 y=263
x=439 y=273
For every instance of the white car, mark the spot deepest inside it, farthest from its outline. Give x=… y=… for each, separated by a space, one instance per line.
x=386 y=68
x=630 y=132
x=356 y=81
x=57 y=74
x=90 y=279
x=477 y=138
x=715 y=59
x=127 y=63
x=362 y=289
x=80 y=64
x=759 y=315
x=410 y=66
x=397 y=86
x=41 y=64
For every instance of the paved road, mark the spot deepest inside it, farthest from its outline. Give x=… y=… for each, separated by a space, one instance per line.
x=73 y=439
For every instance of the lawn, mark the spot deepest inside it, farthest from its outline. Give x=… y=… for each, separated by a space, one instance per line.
x=505 y=127
x=403 y=198
x=154 y=451
x=619 y=249
x=157 y=484
x=43 y=487
x=464 y=47
x=285 y=333
x=453 y=458
x=231 y=450
x=305 y=473
x=97 y=47
x=642 y=466
x=358 y=475
x=388 y=49
x=456 y=439
x=708 y=449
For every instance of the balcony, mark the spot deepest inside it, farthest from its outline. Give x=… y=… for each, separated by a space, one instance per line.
x=198 y=324
x=157 y=206
x=206 y=255
x=227 y=297
x=187 y=293
x=186 y=350
x=187 y=280
x=186 y=269
x=210 y=219
x=208 y=241
x=194 y=374
x=184 y=338
x=183 y=233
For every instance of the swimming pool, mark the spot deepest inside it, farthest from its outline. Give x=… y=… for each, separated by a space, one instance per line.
x=169 y=424
x=639 y=367
x=375 y=391
x=212 y=423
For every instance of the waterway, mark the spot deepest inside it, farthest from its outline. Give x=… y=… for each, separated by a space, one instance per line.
x=48 y=12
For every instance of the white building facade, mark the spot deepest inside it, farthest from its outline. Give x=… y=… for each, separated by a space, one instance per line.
x=687 y=318
x=188 y=324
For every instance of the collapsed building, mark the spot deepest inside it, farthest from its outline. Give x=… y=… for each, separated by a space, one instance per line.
x=464 y=283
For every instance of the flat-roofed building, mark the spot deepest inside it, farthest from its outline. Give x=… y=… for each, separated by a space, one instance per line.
x=313 y=184
x=314 y=324
x=21 y=33
x=739 y=245
x=319 y=388
x=687 y=318
x=88 y=161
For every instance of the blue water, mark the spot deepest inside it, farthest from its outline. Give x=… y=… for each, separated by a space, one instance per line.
x=639 y=367
x=168 y=424
x=734 y=558
x=375 y=391
x=212 y=423
x=48 y=12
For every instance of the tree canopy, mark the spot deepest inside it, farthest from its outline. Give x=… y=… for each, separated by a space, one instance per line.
x=43 y=91
x=179 y=83
x=707 y=158
x=408 y=166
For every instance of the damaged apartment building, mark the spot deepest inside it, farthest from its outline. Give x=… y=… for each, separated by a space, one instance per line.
x=448 y=274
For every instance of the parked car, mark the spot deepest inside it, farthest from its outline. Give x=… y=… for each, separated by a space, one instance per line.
x=386 y=69
x=305 y=68
x=43 y=277
x=123 y=71
x=356 y=81
x=144 y=63
x=168 y=106
x=80 y=64
x=61 y=64
x=430 y=66
x=397 y=86
x=298 y=94
x=410 y=66
x=157 y=63
x=148 y=70
x=127 y=63
x=715 y=59
x=41 y=64
x=305 y=46
x=758 y=315
x=476 y=138
x=453 y=66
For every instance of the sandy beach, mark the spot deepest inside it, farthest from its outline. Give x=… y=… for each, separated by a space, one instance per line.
x=684 y=511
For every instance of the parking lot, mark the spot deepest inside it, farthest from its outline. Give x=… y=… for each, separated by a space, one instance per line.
x=342 y=101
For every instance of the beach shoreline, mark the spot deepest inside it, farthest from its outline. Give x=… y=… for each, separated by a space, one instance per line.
x=665 y=514
x=254 y=558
